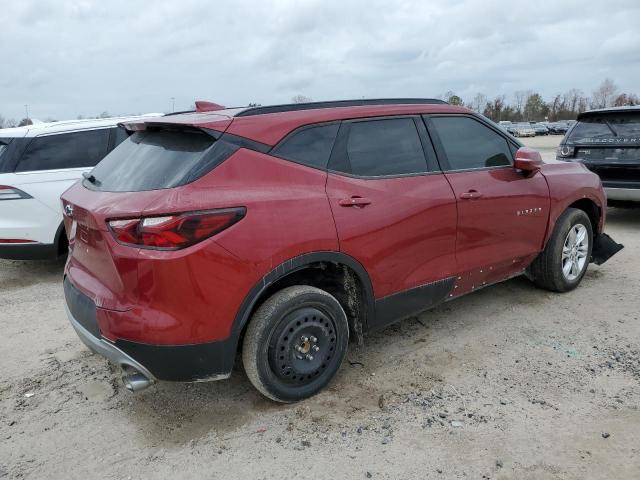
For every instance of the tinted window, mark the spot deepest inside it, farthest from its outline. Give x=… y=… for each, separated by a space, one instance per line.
x=66 y=150
x=151 y=160
x=611 y=128
x=470 y=144
x=310 y=146
x=385 y=147
x=119 y=135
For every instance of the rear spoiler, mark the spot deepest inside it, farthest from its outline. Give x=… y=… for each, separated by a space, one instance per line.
x=138 y=126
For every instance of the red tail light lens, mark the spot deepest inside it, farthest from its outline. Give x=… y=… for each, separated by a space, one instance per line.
x=175 y=231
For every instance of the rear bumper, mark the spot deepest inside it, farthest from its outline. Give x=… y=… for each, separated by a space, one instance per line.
x=106 y=349
x=623 y=194
x=28 y=251
x=182 y=363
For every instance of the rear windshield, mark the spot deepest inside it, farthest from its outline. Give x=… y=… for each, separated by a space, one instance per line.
x=619 y=128
x=152 y=160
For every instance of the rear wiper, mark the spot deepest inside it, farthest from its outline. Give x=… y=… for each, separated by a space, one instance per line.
x=90 y=178
x=613 y=130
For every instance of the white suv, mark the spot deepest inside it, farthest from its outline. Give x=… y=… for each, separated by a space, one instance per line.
x=37 y=164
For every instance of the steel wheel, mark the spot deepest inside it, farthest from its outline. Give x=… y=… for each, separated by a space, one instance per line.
x=575 y=251
x=303 y=345
x=295 y=343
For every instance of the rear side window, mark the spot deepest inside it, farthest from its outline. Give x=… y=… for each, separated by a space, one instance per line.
x=469 y=144
x=65 y=150
x=151 y=160
x=385 y=147
x=119 y=135
x=310 y=146
x=609 y=128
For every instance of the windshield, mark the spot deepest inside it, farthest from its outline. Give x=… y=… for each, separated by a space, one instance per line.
x=151 y=160
x=608 y=128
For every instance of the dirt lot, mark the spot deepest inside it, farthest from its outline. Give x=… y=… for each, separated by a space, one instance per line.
x=510 y=382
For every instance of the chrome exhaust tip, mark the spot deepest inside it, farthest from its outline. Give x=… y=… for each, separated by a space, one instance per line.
x=136 y=382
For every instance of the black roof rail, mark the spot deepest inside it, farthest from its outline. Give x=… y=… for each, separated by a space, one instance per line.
x=179 y=113
x=294 y=107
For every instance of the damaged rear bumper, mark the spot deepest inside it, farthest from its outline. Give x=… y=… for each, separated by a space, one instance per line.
x=604 y=247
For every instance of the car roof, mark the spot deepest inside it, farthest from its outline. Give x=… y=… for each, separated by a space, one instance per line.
x=624 y=109
x=41 y=128
x=270 y=124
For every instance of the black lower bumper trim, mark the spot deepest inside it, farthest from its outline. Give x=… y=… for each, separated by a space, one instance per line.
x=184 y=363
x=604 y=247
x=29 y=251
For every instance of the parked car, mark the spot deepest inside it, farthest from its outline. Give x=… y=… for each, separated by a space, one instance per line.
x=284 y=231
x=607 y=142
x=38 y=163
x=523 y=130
x=540 y=129
x=557 y=128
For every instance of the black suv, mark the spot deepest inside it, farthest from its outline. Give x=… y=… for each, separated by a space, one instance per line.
x=607 y=142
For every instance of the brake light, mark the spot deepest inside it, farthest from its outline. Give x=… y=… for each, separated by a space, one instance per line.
x=12 y=193
x=174 y=231
x=16 y=240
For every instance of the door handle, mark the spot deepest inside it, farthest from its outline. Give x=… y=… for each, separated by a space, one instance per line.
x=470 y=195
x=354 y=201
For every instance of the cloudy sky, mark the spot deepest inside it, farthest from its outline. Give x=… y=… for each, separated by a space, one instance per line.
x=69 y=57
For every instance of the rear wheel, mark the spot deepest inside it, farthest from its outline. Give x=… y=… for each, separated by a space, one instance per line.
x=564 y=261
x=295 y=343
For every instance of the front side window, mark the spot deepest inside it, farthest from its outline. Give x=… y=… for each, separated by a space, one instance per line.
x=65 y=150
x=385 y=147
x=469 y=144
x=310 y=146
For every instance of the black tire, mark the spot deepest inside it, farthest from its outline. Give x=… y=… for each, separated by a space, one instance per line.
x=278 y=360
x=547 y=268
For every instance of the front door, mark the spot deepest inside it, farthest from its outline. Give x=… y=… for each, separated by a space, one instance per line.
x=502 y=212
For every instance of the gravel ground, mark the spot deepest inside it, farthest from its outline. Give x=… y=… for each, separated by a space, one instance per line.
x=508 y=382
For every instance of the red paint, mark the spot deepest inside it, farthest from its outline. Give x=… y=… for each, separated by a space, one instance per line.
x=405 y=237
x=405 y=231
x=204 y=106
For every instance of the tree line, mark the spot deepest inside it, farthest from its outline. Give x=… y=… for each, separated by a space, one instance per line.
x=524 y=105
x=528 y=105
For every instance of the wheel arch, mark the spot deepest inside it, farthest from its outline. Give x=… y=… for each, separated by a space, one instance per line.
x=60 y=240
x=593 y=211
x=589 y=205
x=339 y=274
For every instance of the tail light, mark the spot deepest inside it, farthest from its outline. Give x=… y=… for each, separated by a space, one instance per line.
x=12 y=193
x=174 y=231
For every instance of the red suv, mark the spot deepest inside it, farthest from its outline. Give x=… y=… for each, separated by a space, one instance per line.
x=282 y=231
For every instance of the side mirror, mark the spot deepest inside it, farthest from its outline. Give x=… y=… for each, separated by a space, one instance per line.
x=528 y=160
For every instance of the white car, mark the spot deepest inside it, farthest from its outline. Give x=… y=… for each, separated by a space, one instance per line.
x=37 y=164
x=523 y=130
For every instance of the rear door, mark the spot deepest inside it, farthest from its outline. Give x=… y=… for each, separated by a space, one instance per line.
x=502 y=212
x=394 y=210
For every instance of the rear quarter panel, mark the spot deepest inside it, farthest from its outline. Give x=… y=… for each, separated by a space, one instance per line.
x=288 y=214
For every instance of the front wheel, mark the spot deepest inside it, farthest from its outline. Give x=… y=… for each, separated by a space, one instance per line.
x=295 y=343
x=564 y=261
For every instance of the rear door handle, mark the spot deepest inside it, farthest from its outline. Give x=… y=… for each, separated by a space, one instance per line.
x=470 y=195
x=354 y=201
